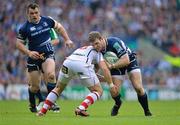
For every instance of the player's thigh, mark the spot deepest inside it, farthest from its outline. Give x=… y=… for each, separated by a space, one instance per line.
x=48 y=66
x=65 y=73
x=136 y=80
x=88 y=76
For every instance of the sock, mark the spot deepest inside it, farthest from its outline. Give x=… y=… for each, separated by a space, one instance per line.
x=118 y=100
x=32 y=98
x=50 y=86
x=143 y=101
x=89 y=100
x=51 y=98
x=39 y=95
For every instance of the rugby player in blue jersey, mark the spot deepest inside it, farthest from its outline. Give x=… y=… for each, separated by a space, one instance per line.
x=36 y=30
x=127 y=63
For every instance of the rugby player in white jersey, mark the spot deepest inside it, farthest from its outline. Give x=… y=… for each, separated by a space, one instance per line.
x=80 y=63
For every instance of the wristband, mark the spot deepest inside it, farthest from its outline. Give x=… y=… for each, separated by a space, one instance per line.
x=111 y=85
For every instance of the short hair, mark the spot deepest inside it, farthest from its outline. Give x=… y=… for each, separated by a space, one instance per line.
x=32 y=6
x=93 y=35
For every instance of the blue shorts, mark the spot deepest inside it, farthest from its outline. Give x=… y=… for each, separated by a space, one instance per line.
x=34 y=65
x=133 y=65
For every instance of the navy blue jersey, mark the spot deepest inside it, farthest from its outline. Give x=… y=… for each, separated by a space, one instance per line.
x=38 y=35
x=117 y=46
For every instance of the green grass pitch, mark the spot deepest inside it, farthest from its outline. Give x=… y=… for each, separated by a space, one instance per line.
x=164 y=113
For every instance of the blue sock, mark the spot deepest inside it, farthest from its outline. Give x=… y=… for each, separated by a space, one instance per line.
x=143 y=100
x=39 y=95
x=50 y=86
x=32 y=98
x=118 y=100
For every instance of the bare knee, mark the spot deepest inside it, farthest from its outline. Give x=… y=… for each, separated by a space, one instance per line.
x=34 y=88
x=51 y=77
x=140 y=91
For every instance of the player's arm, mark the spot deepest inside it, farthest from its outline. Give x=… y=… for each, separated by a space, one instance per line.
x=60 y=29
x=106 y=73
x=108 y=78
x=122 y=53
x=122 y=62
x=22 y=48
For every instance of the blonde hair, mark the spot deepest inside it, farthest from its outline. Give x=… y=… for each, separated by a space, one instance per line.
x=93 y=35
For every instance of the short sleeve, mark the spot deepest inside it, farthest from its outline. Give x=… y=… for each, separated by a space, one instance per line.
x=51 y=21
x=21 y=34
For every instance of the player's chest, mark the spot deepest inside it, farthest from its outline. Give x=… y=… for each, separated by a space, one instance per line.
x=40 y=29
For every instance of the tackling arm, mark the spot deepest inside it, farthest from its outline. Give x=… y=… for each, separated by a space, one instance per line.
x=122 y=62
x=106 y=73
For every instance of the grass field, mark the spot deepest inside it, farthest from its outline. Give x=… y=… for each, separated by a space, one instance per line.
x=164 y=113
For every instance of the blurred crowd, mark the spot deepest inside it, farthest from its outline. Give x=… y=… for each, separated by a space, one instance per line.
x=156 y=20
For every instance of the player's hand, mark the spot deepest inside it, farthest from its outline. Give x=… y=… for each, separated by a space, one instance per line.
x=34 y=55
x=69 y=44
x=114 y=91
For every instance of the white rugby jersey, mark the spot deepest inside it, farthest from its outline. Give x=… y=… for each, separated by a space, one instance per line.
x=87 y=54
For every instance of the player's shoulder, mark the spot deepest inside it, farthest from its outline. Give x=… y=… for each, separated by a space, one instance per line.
x=114 y=39
x=47 y=18
x=24 y=26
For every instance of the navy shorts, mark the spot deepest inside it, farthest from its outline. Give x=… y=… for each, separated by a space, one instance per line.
x=133 y=65
x=34 y=65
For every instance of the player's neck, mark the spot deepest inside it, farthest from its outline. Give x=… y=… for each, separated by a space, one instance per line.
x=34 y=22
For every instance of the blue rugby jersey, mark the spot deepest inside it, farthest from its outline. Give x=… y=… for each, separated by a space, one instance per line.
x=38 y=35
x=117 y=46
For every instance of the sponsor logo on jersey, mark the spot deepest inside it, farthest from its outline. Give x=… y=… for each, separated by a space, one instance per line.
x=39 y=27
x=33 y=28
x=45 y=24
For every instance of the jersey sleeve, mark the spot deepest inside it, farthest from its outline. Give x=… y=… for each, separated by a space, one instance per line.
x=22 y=34
x=51 y=21
x=120 y=48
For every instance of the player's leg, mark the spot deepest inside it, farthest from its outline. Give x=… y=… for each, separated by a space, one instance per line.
x=136 y=79
x=117 y=80
x=49 y=73
x=48 y=68
x=63 y=79
x=40 y=96
x=96 y=93
x=51 y=98
x=34 y=79
x=91 y=81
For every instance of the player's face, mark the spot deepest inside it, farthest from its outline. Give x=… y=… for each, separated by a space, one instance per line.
x=33 y=15
x=98 y=44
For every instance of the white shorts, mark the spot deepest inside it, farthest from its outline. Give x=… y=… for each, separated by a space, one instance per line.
x=72 y=68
